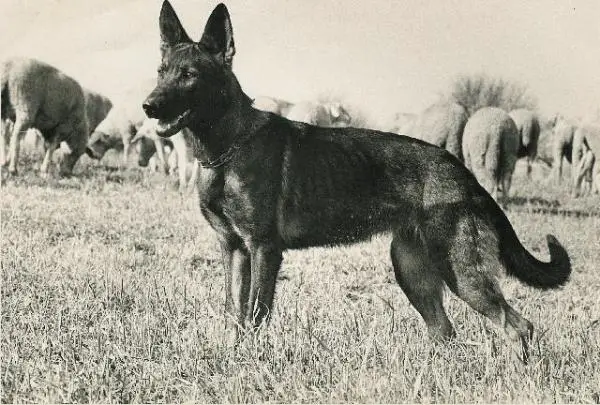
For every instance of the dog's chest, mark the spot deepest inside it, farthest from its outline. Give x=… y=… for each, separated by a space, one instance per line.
x=232 y=203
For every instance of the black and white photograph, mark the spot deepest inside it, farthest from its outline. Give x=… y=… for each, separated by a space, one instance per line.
x=317 y=201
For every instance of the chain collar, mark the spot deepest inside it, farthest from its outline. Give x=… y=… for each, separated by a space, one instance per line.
x=222 y=159
x=227 y=155
x=231 y=151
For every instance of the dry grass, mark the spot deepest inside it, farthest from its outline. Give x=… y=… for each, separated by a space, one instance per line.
x=112 y=291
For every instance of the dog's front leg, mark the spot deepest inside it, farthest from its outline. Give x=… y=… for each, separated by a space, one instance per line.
x=265 y=262
x=236 y=260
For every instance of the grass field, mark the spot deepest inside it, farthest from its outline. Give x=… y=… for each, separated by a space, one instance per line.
x=112 y=291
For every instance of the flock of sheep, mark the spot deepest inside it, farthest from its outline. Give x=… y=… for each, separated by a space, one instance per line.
x=37 y=96
x=490 y=141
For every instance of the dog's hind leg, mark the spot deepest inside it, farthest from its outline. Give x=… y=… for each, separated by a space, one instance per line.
x=266 y=262
x=473 y=266
x=422 y=284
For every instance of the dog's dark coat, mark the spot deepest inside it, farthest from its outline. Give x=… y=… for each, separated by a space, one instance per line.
x=270 y=184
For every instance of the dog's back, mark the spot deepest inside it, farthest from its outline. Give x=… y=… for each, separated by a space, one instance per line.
x=350 y=182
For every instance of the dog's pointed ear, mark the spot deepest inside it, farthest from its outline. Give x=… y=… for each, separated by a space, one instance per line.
x=171 y=30
x=218 y=34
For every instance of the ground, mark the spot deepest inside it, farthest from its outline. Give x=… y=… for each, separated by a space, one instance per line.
x=112 y=291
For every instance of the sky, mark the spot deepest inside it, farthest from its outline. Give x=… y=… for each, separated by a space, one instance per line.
x=382 y=56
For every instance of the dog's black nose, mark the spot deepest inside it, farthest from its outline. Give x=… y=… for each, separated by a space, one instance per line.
x=150 y=109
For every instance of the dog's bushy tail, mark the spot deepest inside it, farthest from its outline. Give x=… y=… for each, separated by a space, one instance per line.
x=524 y=266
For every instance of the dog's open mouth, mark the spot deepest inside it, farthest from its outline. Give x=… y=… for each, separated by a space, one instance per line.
x=168 y=127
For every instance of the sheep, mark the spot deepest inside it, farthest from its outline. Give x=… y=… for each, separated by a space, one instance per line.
x=273 y=105
x=330 y=114
x=182 y=152
x=588 y=136
x=116 y=131
x=528 y=126
x=490 y=147
x=565 y=144
x=38 y=95
x=442 y=124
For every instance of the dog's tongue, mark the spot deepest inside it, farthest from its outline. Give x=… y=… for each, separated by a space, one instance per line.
x=163 y=128
x=170 y=127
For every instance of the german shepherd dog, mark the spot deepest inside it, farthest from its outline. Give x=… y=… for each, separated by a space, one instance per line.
x=269 y=184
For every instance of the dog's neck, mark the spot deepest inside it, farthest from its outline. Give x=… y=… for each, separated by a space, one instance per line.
x=217 y=141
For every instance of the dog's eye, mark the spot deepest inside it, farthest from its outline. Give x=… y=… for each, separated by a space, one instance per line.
x=187 y=74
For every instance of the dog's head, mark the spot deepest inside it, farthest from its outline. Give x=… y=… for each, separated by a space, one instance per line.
x=192 y=87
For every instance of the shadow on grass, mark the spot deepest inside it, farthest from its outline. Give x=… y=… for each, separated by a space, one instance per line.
x=538 y=205
x=110 y=173
x=33 y=179
x=537 y=201
x=82 y=177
